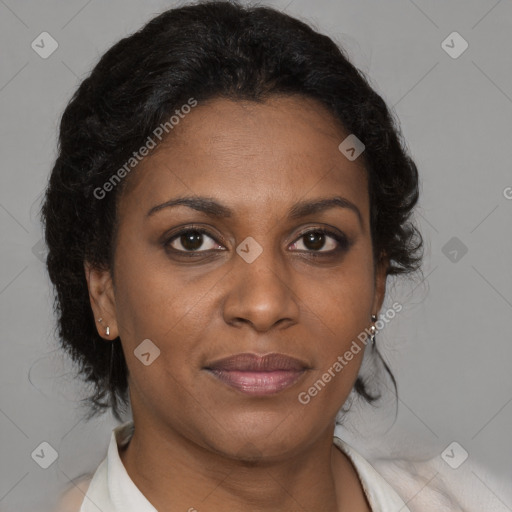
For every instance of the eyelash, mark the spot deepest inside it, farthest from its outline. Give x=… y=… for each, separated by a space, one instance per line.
x=343 y=243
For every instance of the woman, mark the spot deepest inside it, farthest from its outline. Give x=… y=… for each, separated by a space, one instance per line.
x=229 y=198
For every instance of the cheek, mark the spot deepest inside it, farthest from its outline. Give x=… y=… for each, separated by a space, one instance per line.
x=154 y=303
x=341 y=317
x=342 y=302
x=150 y=300
x=342 y=309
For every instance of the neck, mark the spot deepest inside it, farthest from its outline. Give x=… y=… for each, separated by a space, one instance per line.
x=176 y=474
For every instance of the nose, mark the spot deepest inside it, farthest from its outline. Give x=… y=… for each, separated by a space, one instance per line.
x=261 y=294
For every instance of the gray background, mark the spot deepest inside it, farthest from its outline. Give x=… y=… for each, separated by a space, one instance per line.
x=450 y=347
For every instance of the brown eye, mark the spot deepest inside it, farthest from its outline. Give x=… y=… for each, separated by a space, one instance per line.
x=318 y=239
x=314 y=240
x=191 y=240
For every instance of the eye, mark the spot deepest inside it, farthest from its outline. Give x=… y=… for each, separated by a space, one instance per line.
x=318 y=238
x=190 y=240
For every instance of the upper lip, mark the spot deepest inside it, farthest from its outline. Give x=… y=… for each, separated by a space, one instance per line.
x=257 y=363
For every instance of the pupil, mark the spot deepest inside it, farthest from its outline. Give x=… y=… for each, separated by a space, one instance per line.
x=310 y=239
x=192 y=240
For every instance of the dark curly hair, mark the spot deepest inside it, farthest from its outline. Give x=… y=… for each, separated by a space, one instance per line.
x=204 y=50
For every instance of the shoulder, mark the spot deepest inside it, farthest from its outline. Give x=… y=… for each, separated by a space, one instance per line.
x=432 y=484
x=72 y=498
x=419 y=484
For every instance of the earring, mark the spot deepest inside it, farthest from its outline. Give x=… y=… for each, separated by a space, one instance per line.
x=107 y=329
x=373 y=330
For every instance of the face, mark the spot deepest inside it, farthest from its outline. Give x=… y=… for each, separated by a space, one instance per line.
x=254 y=275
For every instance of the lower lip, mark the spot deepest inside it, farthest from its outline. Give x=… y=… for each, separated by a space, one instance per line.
x=258 y=383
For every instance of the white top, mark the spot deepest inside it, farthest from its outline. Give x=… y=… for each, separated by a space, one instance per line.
x=112 y=490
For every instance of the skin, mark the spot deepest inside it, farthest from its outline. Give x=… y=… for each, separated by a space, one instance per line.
x=198 y=442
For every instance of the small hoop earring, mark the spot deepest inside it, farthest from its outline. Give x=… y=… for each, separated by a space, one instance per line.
x=373 y=330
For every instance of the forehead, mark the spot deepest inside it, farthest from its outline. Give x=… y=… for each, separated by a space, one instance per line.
x=250 y=156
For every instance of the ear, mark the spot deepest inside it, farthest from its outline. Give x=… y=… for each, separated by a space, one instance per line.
x=380 y=283
x=101 y=295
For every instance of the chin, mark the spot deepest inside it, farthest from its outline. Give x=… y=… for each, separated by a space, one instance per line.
x=269 y=440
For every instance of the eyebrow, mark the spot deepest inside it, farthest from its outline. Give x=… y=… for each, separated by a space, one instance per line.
x=212 y=208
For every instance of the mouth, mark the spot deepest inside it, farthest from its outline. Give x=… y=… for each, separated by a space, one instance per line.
x=257 y=375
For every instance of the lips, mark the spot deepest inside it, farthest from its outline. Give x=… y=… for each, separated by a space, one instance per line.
x=258 y=375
